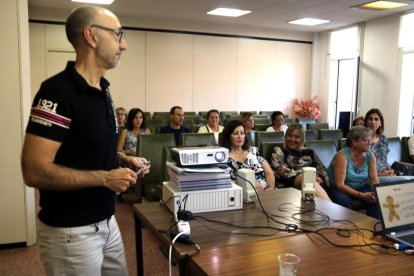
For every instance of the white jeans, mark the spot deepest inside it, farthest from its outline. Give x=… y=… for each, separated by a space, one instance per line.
x=90 y=250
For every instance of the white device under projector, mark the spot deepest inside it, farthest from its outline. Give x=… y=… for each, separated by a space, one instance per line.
x=308 y=183
x=202 y=200
x=243 y=177
x=192 y=156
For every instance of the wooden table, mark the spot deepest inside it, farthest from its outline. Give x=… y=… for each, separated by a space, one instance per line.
x=211 y=235
x=317 y=257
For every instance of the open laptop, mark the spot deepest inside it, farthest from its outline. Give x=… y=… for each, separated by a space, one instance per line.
x=396 y=204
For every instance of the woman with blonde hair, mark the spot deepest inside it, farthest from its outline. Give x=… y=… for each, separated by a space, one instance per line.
x=121 y=115
x=287 y=162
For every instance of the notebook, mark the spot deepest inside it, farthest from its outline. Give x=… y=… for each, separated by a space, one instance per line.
x=396 y=203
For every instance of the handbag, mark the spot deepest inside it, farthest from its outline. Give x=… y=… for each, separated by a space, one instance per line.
x=403 y=168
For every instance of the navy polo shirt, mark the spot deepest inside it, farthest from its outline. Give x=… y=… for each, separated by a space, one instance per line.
x=66 y=109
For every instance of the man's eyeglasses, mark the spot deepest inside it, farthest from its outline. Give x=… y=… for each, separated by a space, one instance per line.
x=120 y=34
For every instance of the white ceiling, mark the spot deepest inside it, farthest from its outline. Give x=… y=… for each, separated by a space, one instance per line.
x=191 y=14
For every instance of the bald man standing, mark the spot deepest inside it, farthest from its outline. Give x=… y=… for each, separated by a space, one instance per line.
x=70 y=153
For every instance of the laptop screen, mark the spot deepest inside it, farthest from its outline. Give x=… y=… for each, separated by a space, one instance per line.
x=396 y=203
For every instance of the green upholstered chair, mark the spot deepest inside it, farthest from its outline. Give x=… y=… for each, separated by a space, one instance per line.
x=289 y=120
x=202 y=117
x=325 y=149
x=161 y=114
x=341 y=143
x=331 y=134
x=263 y=136
x=268 y=113
x=197 y=139
x=231 y=117
x=194 y=117
x=196 y=127
x=261 y=127
x=186 y=113
x=317 y=127
x=224 y=114
x=266 y=149
x=151 y=147
x=166 y=156
x=147 y=116
x=262 y=121
x=188 y=123
x=310 y=135
x=261 y=116
x=156 y=123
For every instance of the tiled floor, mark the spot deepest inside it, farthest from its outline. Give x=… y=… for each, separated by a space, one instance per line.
x=26 y=261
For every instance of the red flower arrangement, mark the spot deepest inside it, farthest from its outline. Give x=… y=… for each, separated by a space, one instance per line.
x=306 y=109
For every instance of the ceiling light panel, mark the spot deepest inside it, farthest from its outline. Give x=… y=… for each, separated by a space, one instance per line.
x=228 y=12
x=309 y=21
x=102 y=2
x=381 y=5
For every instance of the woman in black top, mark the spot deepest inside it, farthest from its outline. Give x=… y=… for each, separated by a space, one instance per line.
x=287 y=162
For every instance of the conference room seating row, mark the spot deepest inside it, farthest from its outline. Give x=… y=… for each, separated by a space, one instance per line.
x=194 y=122
x=261 y=117
x=156 y=147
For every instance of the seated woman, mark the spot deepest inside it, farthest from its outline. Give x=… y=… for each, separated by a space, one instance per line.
x=248 y=122
x=287 y=162
x=353 y=171
x=358 y=121
x=277 y=122
x=135 y=126
x=375 y=121
x=121 y=115
x=242 y=156
x=212 y=124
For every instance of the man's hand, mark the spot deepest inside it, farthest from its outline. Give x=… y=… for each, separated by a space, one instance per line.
x=119 y=180
x=138 y=163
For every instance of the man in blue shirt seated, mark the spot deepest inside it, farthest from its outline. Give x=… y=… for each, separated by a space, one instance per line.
x=176 y=121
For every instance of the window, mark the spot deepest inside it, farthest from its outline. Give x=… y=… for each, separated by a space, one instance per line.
x=343 y=78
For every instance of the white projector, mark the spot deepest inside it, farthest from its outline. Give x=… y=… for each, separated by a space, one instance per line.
x=202 y=200
x=192 y=156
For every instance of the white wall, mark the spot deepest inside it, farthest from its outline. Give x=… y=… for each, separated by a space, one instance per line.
x=320 y=73
x=380 y=66
x=17 y=216
x=379 y=84
x=198 y=72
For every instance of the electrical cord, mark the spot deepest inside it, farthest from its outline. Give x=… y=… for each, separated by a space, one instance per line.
x=170 y=251
x=298 y=216
x=288 y=227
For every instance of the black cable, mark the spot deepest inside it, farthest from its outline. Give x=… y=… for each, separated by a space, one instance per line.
x=237 y=226
x=185 y=201
x=263 y=209
x=293 y=227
